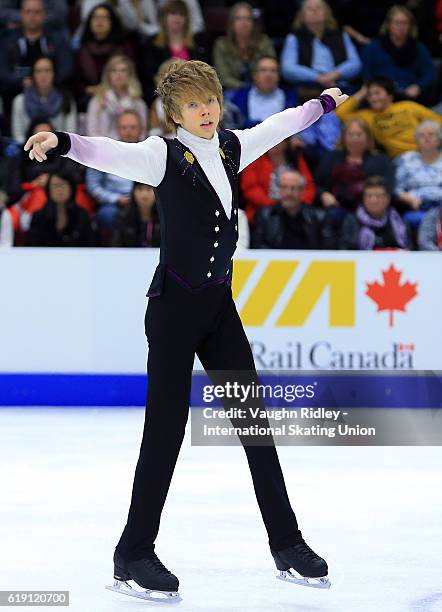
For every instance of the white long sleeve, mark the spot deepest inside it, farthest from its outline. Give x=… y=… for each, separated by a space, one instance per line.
x=257 y=140
x=144 y=162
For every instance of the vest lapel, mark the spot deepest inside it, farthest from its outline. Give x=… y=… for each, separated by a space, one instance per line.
x=201 y=175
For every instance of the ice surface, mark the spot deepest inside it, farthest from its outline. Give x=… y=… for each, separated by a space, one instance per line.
x=374 y=513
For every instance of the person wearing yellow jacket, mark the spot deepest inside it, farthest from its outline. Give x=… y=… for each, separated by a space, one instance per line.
x=393 y=124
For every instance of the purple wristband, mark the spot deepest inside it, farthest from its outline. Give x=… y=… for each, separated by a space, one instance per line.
x=327 y=102
x=64 y=144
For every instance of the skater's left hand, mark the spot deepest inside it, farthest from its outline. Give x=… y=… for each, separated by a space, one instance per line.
x=336 y=94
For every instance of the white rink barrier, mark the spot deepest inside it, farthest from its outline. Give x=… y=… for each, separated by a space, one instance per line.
x=81 y=311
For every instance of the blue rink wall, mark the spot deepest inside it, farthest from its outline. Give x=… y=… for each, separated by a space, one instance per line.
x=72 y=323
x=344 y=390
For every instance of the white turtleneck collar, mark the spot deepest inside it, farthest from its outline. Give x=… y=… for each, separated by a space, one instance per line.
x=202 y=147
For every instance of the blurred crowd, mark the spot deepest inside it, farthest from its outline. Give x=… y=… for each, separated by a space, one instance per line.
x=368 y=176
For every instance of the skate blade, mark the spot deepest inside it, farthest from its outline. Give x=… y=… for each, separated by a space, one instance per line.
x=152 y=595
x=290 y=575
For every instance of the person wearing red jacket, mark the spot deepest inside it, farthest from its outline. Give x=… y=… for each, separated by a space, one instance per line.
x=260 y=180
x=439 y=19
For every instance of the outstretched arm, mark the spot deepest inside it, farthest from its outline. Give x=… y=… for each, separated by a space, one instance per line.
x=257 y=140
x=144 y=161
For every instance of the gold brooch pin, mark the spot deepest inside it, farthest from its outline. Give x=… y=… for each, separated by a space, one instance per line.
x=189 y=157
x=221 y=152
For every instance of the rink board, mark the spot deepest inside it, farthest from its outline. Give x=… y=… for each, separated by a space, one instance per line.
x=72 y=320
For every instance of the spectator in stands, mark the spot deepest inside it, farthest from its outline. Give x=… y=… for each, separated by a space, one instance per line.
x=22 y=46
x=288 y=224
x=341 y=174
x=439 y=19
x=119 y=90
x=235 y=53
x=363 y=20
x=398 y=55
x=143 y=15
x=56 y=14
x=392 y=123
x=277 y=16
x=138 y=224
x=317 y=54
x=61 y=221
x=112 y=192
x=174 y=40
x=9 y=150
x=26 y=176
x=102 y=37
x=43 y=99
x=264 y=97
x=232 y=118
x=430 y=231
x=419 y=173
x=318 y=139
x=6 y=226
x=157 y=117
x=261 y=179
x=375 y=224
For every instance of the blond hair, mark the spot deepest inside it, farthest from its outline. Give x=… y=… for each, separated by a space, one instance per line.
x=183 y=80
x=164 y=67
x=397 y=8
x=330 y=21
x=134 y=86
x=171 y=8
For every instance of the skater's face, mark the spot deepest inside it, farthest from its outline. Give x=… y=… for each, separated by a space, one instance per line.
x=200 y=117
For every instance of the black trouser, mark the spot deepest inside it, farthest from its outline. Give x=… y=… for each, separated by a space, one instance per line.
x=178 y=325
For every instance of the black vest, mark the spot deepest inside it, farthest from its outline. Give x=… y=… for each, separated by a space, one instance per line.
x=331 y=38
x=197 y=238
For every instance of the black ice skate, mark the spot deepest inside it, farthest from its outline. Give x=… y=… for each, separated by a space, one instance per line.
x=160 y=585
x=300 y=565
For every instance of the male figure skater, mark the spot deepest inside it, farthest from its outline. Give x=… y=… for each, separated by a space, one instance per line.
x=190 y=308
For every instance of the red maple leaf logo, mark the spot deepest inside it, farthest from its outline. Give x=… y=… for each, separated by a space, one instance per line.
x=391 y=295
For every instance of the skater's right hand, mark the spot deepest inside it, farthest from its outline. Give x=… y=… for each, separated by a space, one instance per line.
x=39 y=144
x=336 y=94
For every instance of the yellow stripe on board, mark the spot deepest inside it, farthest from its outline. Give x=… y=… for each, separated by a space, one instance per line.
x=336 y=276
x=241 y=272
x=267 y=291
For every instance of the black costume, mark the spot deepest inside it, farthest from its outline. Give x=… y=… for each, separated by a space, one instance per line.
x=190 y=312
